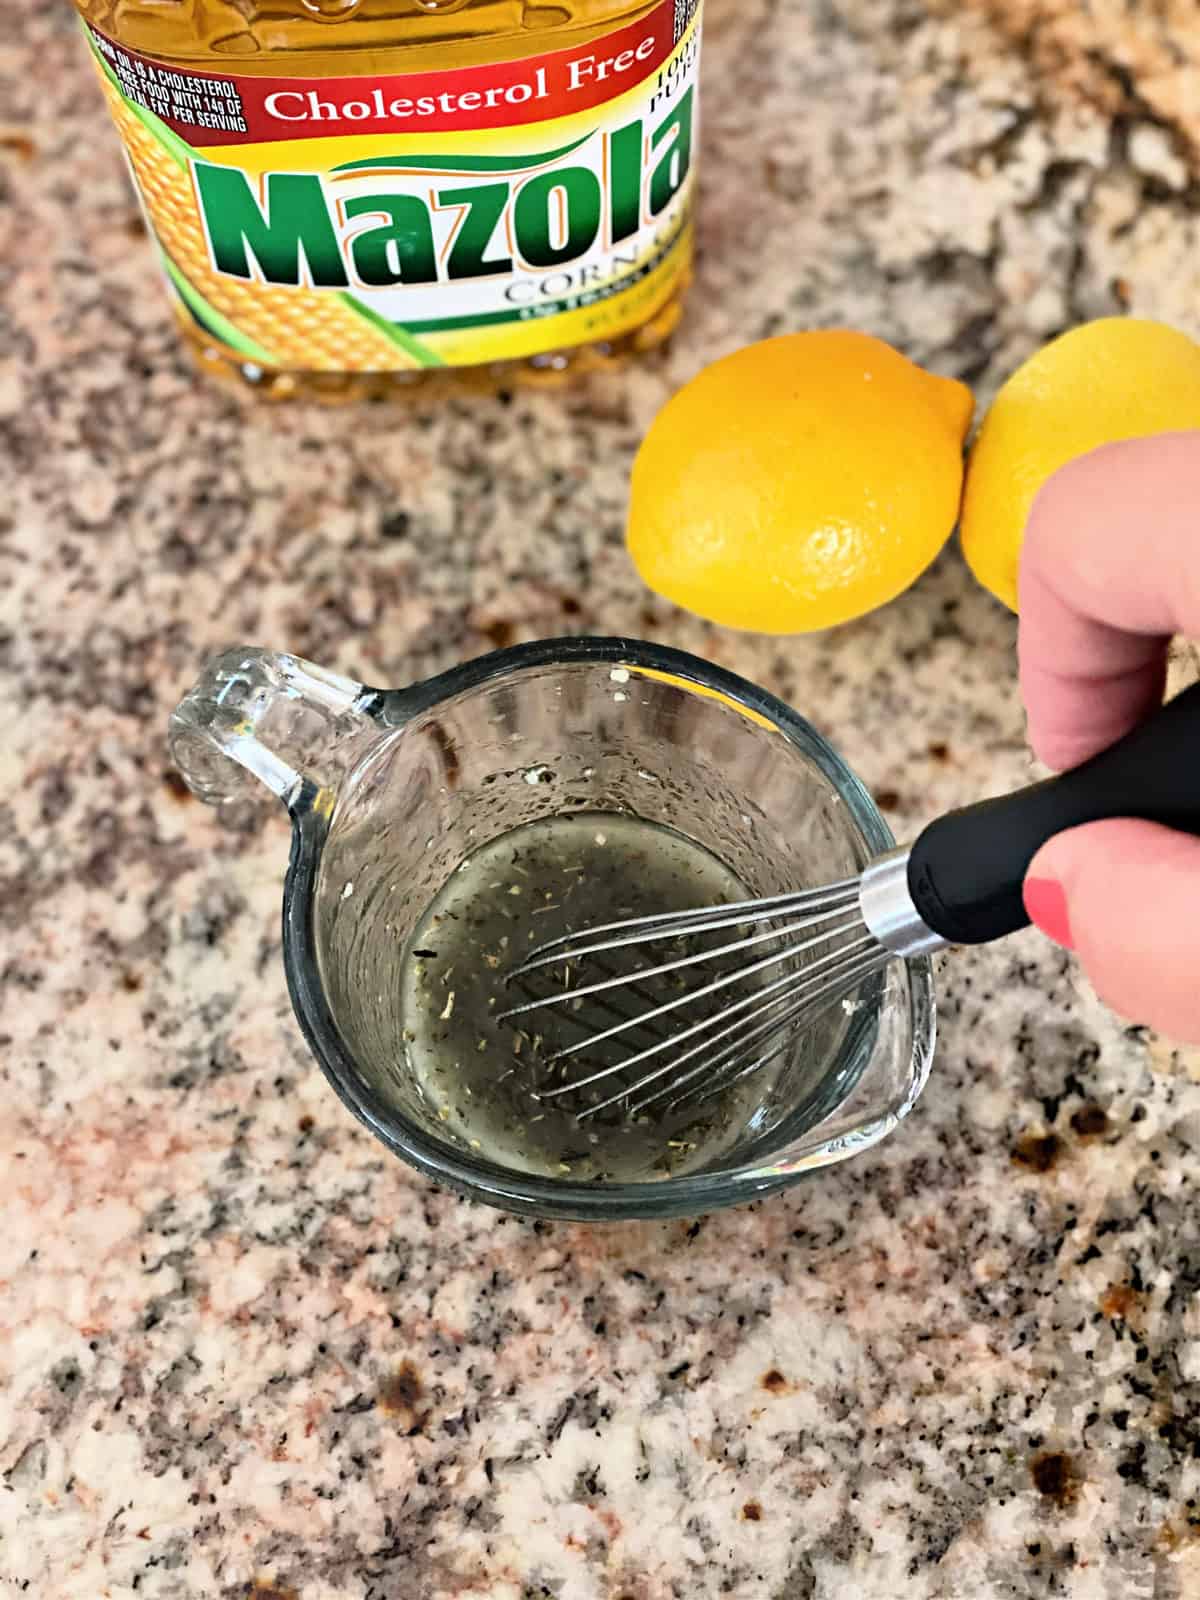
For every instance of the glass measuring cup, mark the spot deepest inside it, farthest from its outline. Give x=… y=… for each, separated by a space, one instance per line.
x=390 y=790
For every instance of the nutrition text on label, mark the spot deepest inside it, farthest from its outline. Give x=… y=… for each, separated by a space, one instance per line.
x=176 y=96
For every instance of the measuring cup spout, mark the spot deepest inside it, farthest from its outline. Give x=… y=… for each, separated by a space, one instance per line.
x=294 y=726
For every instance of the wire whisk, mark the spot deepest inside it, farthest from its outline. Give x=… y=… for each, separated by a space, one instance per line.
x=717 y=1030
x=742 y=1001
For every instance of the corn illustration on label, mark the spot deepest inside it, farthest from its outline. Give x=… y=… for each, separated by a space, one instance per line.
x=453 y=218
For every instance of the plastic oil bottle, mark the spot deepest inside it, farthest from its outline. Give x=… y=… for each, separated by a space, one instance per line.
x=349 y=194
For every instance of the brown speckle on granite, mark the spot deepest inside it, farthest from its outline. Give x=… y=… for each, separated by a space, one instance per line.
x=400 y=1396
x=1119 y=1300
x=245 y=1352
x=1055 y=1477
x=1090 y=1121
x=1037 y=1151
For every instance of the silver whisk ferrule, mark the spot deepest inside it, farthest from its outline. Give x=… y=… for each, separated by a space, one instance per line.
x=887 y=907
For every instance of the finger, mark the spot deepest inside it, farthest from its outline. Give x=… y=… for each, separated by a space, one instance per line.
x=1110 y=569
x=1124 y=894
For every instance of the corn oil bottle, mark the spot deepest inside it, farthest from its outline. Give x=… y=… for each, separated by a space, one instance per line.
x=349 y=195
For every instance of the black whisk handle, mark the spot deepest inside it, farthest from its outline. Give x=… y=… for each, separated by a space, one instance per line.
x=965 y=871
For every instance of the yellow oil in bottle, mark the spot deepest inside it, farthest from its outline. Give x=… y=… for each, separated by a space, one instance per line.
x=352 y=196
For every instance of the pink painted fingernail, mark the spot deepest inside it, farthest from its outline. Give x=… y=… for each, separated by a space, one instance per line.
x=1047 y=907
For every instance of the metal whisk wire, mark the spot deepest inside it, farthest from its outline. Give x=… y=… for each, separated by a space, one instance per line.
x=724 y=1067
x=737 y=1037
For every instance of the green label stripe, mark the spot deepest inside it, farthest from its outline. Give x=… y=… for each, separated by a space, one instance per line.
x=394 y=331
x=209 y=317
x=576 y=302
x=465 y=164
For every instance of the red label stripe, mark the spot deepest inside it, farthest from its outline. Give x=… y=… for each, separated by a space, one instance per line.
x=206 y=108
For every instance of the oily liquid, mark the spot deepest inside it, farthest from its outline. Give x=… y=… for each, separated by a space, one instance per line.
x=487 y=1080
x=333 y=38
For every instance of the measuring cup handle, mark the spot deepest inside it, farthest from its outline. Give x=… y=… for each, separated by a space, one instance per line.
x=260 y=714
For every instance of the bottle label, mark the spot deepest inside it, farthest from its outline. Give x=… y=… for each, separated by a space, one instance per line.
x=365 y=223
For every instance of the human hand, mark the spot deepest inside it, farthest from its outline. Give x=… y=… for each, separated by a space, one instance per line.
x=1110 y=569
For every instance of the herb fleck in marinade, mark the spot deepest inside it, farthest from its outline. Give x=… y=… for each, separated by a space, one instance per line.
x=483 y=1076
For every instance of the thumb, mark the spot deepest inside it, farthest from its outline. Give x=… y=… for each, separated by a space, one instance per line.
x=1125 y=896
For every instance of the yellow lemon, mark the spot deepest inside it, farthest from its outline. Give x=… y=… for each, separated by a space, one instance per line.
x=798 y=483
x=1118 y=378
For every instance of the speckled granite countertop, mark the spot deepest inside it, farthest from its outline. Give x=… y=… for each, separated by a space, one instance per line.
x=245 y=1353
